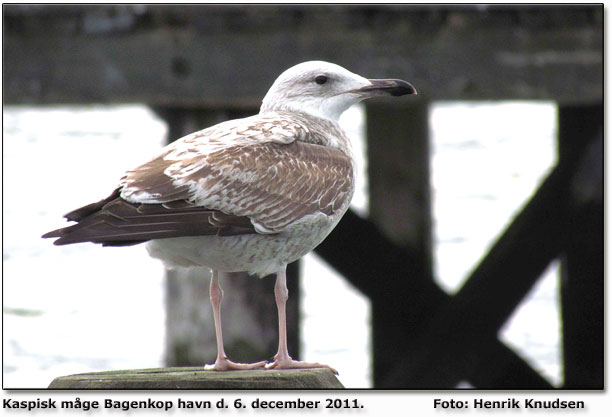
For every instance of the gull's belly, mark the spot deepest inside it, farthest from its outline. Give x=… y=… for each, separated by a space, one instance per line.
x=259 y=254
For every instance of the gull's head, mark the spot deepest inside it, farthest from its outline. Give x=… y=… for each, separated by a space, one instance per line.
x=326 y=90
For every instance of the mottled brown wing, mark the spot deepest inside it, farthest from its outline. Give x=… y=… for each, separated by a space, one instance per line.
x=272 y=184
x=248 y=187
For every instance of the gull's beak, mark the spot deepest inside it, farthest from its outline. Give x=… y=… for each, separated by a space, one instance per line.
x=387 y=87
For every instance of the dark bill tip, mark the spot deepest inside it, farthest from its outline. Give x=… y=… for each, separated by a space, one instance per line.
x=391 y=87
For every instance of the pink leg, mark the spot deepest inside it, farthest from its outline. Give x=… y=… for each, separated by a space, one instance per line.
x=282 y=360
x=222 y=363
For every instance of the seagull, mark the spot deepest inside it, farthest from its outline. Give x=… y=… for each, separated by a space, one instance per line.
x=250 y=194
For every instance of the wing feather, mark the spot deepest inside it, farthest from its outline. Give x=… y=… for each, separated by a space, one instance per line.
x=120 y=223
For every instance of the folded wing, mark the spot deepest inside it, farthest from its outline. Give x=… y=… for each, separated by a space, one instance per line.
x=252 y=175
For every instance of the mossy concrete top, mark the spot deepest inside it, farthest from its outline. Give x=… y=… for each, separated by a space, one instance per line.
x=197 y=378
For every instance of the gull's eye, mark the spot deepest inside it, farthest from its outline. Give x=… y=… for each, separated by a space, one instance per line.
x=321 y=79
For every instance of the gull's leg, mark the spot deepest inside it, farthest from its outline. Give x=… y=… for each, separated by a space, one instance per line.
x=222 y=363
x=282 y=360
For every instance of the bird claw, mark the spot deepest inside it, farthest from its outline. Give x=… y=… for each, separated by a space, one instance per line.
x=293 y=364
x=227 y=365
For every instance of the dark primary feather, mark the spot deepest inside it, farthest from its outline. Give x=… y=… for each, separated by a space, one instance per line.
x=116 y=222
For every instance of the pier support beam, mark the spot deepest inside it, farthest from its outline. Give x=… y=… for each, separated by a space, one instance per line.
x=582 y=281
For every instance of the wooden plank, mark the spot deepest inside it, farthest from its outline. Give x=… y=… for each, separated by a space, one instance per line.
x=582 y=283
x=220 y=56
x=196 y=378
x=398 y=176
x=398 y=173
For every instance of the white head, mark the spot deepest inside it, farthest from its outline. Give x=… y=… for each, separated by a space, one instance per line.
x=326 y=90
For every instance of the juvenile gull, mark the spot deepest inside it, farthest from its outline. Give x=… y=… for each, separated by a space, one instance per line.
x=250 y=194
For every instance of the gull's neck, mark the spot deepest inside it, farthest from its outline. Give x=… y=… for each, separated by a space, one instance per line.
x=321 y=131
x=330 y=114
